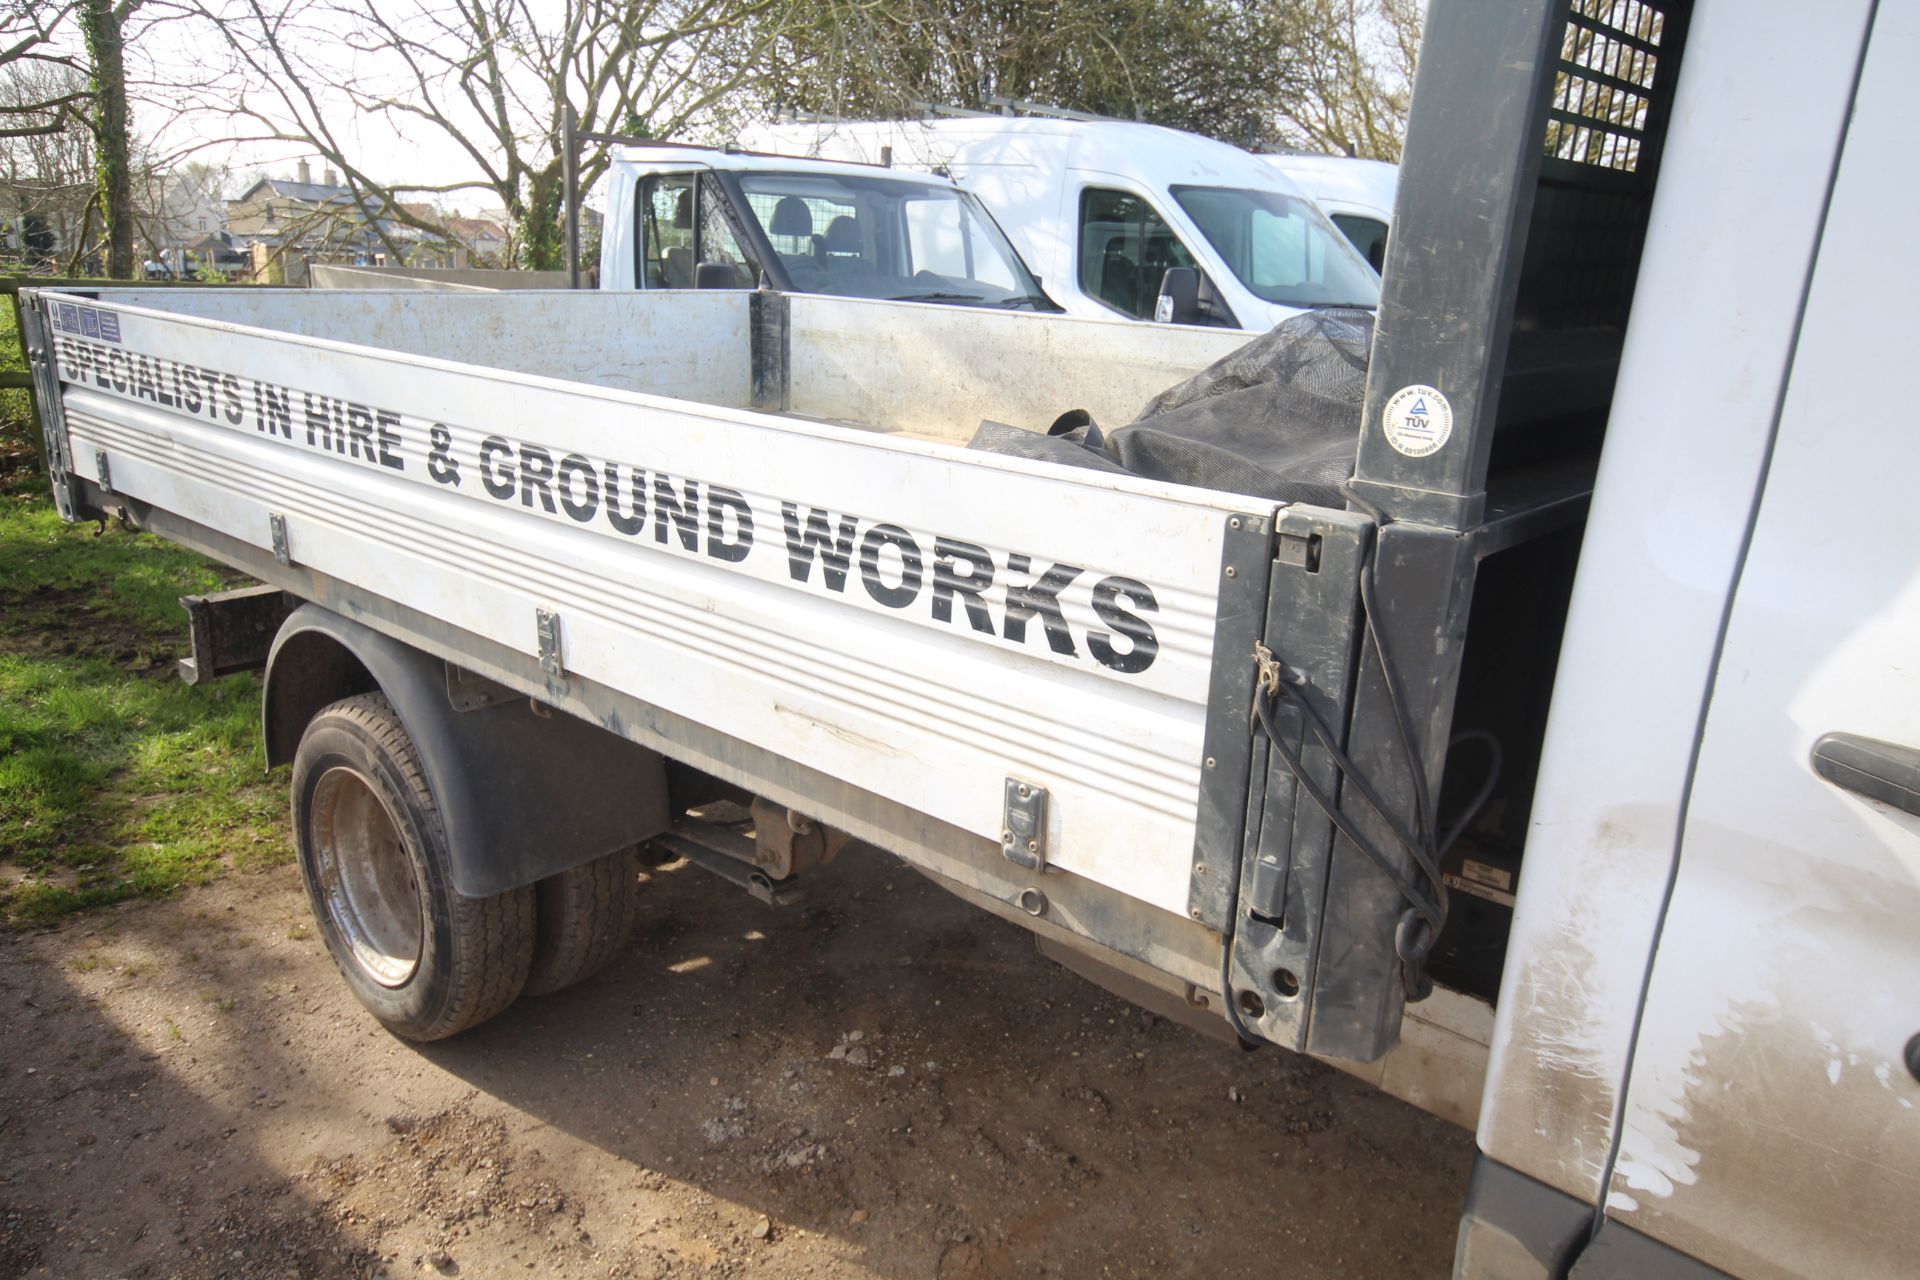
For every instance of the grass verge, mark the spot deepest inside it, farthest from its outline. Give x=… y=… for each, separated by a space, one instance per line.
x=116 y=780
x=16 y=408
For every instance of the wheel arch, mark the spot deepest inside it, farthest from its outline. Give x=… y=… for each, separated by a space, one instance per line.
x=523 y=794
x=309 y=667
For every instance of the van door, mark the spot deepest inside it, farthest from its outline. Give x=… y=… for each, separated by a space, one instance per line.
x=683 y=223
x=1772 y=1118
x=1124 y=247
x=666 y=231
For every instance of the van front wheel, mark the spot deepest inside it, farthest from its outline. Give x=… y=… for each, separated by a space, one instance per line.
x=424 y=960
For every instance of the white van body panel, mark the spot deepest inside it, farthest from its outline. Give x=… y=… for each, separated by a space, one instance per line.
x=1357 y=194
x=1687 y=450
x=1342 y=184
x=1030 y=172
x=1770 y=1058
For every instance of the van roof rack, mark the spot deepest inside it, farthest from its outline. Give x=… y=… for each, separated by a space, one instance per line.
x=797 y=115
x=1005 y=106
x=1021 y=106
x=942 y=109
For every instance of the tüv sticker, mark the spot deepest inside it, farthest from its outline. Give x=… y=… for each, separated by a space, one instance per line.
x=1418 y=420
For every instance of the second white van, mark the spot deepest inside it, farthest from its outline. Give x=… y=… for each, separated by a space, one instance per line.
x=1102 y=209
x=1357 y=194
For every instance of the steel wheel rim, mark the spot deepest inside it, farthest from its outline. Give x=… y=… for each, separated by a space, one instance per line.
x=367 y=882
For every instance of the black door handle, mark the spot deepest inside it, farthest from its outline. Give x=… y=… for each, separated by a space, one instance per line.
x=1883 y=771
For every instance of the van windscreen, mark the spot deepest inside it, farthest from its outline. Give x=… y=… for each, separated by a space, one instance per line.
x=882 y=237
x=1282 y=249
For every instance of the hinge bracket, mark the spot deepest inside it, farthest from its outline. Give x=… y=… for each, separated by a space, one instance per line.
x=282 y=549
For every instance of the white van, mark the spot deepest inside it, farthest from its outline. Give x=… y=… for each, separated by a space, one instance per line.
x=1101 y=209
x=681 y=217
x=1356 y=194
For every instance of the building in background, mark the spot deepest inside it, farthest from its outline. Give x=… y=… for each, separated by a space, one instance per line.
x=487 y=237
x=282 y=224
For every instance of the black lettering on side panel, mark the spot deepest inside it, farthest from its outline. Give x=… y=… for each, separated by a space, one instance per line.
x=1040 y=599
x=1108 y=595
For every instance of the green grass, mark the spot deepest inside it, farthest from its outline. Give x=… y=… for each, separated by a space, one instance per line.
x=116 y=780
x=16 y=409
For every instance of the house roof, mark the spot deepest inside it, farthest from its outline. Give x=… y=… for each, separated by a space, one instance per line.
x=476 y=228
x=306 y=192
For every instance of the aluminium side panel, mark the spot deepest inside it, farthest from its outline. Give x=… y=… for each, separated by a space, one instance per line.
x=925 y=622
x=938 y=371
x=687 y=344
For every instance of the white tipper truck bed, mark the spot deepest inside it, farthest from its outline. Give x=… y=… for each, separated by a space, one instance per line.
x=555 y=581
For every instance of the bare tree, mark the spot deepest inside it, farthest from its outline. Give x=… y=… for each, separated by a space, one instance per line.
x=103 y=23
x=489 y=80
x=37 y=49
x=50 y=179
x=29 y=33
x=46 y=161
x=1355 y=69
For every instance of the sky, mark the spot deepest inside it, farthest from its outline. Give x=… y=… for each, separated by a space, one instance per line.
x=177 y=108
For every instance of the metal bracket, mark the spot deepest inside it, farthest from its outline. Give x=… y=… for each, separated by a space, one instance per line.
x=232 y=631
x=469 y=692
x=786 y=842
x=1227 y=757
x=546 y=629
x=1023 y=831
x=282 y=549
x=100 y=466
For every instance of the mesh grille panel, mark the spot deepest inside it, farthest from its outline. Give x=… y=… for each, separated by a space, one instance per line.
x=1602 y=89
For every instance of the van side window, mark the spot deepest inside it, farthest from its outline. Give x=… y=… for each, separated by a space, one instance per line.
x=1369 y=236
x=799 y=219
x=945 y=239
x=666 y=231
x=717 y=240
x=1125 y=247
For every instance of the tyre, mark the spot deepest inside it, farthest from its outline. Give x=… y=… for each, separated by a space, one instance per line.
x=424 y=960
x=586 y=917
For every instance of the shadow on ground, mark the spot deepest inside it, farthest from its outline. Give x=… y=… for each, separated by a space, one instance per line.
x=879 y=1082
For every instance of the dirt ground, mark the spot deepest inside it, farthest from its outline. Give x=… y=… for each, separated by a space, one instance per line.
x=880 y=1082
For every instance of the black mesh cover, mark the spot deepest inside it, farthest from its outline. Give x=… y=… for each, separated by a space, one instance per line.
x=1279 y=418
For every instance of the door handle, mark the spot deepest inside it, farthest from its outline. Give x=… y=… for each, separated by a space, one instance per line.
x=1883 y=771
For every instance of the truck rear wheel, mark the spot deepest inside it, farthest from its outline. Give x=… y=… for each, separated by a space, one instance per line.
x=424 y=960
x=586 y=916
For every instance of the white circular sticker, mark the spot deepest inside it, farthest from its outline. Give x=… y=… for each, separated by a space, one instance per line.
x=1418 y=420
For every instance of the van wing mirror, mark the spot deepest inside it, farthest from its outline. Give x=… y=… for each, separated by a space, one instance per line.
x=1187 y=296
x=1179 y=301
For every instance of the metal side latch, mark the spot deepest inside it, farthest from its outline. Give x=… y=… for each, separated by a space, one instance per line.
x=546 y=629
x=1023 y=830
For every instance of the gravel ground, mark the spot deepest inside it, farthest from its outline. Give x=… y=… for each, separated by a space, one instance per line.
x=879 y=1082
